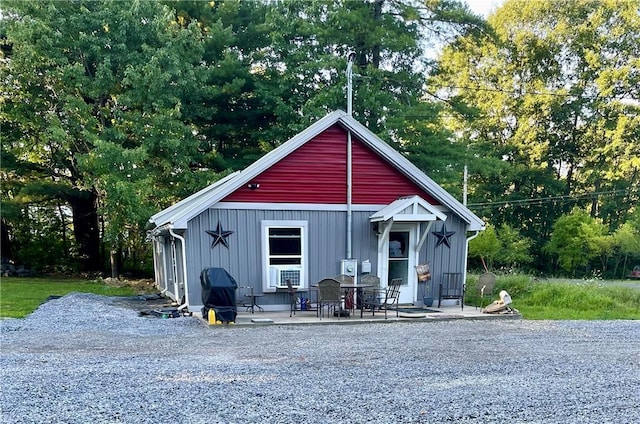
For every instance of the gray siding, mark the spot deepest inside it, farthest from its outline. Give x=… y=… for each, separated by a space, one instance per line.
x=444 y=259
x=326 y=244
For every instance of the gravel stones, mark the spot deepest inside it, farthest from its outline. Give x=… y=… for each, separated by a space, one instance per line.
x=85 y=358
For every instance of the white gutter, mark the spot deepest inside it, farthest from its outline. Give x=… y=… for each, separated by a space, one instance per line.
x=184 y=270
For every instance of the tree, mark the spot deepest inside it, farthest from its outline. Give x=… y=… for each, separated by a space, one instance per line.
x=232 y=113
x=485 y=246
x=626 y=241
x=93 y=96
x=515 y=248
x=504 y=248
x=575 y=240
x=552 y=93
x=114 y=110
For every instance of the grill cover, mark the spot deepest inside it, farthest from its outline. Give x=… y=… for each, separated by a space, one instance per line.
x=219 y=293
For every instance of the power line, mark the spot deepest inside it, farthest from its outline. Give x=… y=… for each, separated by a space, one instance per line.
x=518 y=92
x=566 y=94
x=542 y=200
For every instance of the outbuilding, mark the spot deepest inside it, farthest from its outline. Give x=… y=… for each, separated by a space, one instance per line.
x=334 y=199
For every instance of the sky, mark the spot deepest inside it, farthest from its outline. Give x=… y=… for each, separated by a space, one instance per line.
x=483 y=7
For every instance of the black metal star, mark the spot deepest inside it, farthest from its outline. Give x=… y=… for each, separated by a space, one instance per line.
x=219 y=236
x=443 y=236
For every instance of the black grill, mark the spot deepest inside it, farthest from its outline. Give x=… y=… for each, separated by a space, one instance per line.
x=219 y=294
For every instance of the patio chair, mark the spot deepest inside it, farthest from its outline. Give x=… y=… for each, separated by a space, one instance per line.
x=387 y=298
x=451 y=287
x=329 y=294
x=369 y=293
x=344 y=279
x=486 y=284
x=296 y=303
x=293 y=298
x=348 y=294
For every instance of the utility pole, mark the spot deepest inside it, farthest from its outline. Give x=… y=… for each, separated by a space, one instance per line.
x=464 y=185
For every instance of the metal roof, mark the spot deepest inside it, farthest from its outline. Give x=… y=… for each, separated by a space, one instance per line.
x=177 y=215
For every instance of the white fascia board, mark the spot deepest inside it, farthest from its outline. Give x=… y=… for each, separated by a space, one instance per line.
x=414 y=218
x=173 y=212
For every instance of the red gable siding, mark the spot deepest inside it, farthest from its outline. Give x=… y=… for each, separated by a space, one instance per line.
x=317 y=173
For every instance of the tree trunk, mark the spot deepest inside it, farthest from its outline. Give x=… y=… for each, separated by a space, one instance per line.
x=377 y=16
x=5 y=243
x=114 y=257
x=63 y=232
x=84 y=206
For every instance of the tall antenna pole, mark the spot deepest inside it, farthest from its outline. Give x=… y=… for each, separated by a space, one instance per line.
x=350 y=60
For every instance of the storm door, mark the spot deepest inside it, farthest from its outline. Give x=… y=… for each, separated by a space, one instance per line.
x=401 y=260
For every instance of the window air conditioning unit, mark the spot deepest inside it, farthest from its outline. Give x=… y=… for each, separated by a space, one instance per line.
x=278 y=276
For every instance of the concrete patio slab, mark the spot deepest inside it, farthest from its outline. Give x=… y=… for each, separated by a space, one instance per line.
x=310 y=317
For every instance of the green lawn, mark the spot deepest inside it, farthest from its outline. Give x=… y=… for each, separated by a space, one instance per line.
x=21 y=296
x=568 y=299
x=535 y=299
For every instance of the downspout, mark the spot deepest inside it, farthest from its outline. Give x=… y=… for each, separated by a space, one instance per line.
x=174 y=269
x=156 y=273
x=466 y=255
x=349 y=193
x=157 y=266
x=163 y=270
x=184 y=269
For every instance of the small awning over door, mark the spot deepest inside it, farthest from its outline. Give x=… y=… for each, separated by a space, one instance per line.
x=407 y=209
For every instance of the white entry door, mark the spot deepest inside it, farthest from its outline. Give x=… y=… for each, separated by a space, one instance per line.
x=401 y=259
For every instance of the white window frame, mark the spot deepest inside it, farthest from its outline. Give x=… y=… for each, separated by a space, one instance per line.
x=265 y=227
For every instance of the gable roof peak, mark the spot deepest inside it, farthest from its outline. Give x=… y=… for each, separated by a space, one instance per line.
x=179 y=214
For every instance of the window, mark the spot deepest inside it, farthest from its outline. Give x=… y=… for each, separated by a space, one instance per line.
x=284 y=246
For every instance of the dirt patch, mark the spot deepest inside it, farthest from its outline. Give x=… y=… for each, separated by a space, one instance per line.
x=141 y=286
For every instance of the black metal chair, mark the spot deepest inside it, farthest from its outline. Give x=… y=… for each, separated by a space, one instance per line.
x=388 y=297
x=451 y=287
x=293 y=298
x=298 y=303
x=369 y=294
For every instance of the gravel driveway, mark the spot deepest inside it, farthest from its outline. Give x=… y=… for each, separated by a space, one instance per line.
x=83 y=359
